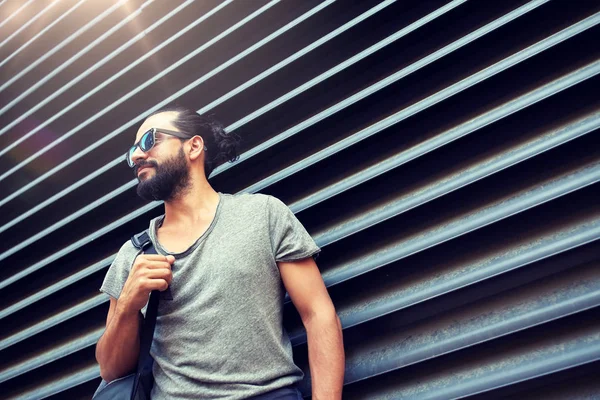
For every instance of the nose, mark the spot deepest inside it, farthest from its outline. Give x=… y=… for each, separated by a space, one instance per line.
x=138 y=155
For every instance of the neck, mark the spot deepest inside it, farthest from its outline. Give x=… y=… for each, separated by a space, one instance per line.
x=197 y=204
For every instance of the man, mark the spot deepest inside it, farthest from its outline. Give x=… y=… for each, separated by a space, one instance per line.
x=223 y=258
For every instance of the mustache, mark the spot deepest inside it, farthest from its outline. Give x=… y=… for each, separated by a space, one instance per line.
x=142 y=164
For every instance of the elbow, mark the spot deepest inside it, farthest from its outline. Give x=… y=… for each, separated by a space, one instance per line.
x=105 y=373
x=114 y=364
x=111 y=369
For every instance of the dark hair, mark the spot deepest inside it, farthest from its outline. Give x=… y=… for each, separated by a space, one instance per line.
x=222 y=146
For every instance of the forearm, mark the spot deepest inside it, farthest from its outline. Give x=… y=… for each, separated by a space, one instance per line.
x=118 y=348
x=326 y=356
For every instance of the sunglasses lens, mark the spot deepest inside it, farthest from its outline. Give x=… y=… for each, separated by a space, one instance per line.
x=145 y=144
x=130 y=156
x=147 y=141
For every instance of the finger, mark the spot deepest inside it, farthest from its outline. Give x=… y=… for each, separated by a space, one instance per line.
x=157 y=265
x=161 y=284
x=145 y=260
x=153 y=257
x=156 y=284
x=162 y=273
x=170 y=259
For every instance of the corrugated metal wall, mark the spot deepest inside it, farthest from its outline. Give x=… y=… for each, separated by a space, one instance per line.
x=443 y=153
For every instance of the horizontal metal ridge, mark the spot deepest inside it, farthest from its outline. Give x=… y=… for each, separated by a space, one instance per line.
x=551 y=189
x=504 y=368
x=81 y=242
x=561 y=135
x=327 y=74
x=40 y=295
x=42 y=32
x=13 y=14
x=45 y=232
x=73 y=58
x=453 y=134
x=54 y=320
x=578 y=236
x=440 y=234
x=128 y=185
x=29 y=22
x=94 y=67
x=448 y=230
x=421 y=105
x=164 y=72
x=62 y=44
x=445 y=137
x=70 y=380
x=438 y=54
x=473 y=173
x=580 y=296
x=490 y=27
x=114 y=77
x=63 y=193
x=320 y=78
x=475 y=323
x=51 y=355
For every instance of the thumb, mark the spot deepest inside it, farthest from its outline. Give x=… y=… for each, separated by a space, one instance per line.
x=170 y=259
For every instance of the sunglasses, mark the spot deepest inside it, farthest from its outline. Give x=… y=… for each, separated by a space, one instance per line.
x=148 y=140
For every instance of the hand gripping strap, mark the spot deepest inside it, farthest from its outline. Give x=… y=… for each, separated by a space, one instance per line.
x=141 y=241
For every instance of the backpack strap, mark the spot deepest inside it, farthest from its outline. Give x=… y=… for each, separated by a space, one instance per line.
x=141 y=240
x=144 y=380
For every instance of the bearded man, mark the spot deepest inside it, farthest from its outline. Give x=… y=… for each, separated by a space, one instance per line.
x=226 y=262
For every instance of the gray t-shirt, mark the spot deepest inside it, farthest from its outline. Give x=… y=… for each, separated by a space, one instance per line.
x=222 y=336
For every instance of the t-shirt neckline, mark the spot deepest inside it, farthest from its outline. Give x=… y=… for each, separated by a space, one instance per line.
x=158 y=223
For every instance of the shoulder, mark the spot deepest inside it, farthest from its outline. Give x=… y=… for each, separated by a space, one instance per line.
x=251 y=200
x=254 y=206
x=119 y=270
x=126 y=254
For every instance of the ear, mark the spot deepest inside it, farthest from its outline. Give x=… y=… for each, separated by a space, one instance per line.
x=196 y=144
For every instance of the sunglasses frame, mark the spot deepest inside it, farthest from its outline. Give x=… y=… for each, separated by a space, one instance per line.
x=153 y=131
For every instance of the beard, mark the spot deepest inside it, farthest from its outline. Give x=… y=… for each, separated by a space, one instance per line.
x=170 y=180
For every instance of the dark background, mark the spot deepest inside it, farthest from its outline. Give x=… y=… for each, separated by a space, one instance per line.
x=443 y=154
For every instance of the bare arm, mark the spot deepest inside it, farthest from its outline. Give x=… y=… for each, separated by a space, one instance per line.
x=307 y=290
x=118 y=349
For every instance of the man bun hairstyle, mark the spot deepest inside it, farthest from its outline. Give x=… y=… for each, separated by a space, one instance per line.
x=221 y=146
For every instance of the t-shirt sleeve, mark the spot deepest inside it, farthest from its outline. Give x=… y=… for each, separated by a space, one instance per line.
x=289 y=239
x=118 y=272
